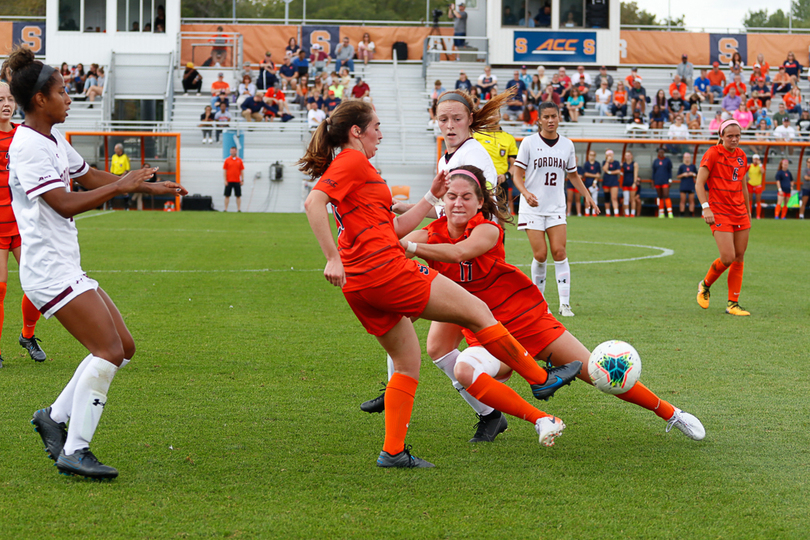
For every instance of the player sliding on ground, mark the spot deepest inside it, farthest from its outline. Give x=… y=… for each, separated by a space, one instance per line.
x=468 y=248
x=10 y=234
x=382 y=286
x=727 y=210
x=42 y=164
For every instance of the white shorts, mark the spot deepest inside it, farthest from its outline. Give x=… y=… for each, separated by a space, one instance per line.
x=51 y=299
x=539 y=223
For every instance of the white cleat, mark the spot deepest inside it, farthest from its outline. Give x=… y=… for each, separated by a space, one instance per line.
x=549 y=428
x=565 y=310
x=688 y=424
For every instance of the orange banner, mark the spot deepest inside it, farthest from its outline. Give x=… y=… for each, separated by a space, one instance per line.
x=6 y=39
x=774 y=47
x=257 y=39
x=663 y=47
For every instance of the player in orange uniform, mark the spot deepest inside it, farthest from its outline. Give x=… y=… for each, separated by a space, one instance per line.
x=382 y=286
x=468 y=248
x=9 y=235
x=727 y=210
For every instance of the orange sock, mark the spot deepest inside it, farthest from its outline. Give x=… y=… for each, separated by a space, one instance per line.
x=30 y=317
x=784 y=211
x=505 y=348
x=643 y=397
x=3 y=287
x=777 y=211
x=500 y=397
x=669 y=205
x=398 y=406
x=715 y=271
x=735 y=277
x=759 y=210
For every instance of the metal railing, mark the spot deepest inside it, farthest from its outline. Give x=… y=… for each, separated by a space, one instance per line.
x=305 y=20
x=109 y=90
x=436 y=48
x=400 y=112
x=168 y=99
x=233 y=43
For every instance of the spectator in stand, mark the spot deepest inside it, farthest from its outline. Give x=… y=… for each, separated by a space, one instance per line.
x=509 y=18
x=314 y=117
x=95 y=90
x=64 y=71
x=90 y=80
x=528 y=21
x=582 y=75
x=662 y=177
x=301 y=65
x=518 y=100
x=234 y=176
x=530 y=117
x=574 y=105
x=739 y=85
x=541 y=72
x=517 y=82
x=781 y=82
x=803 y=125
x=582 y=87
x=361 y=90
x=292 y=48
x=317 y=94
x=761 y=94
x=463 y=83
x=619 y=105
x=717 y=81
x=744 y=117
x=764 y=67
x=438 y=90
x=631 y=79
x=276 y=103
x=736 y=64
x=603 y=98
x=267 y=72
x=302 y=93
x=687 y=172
x=219 y=50
x=604 y=76
x=365 y=49
x=318 y=59
x=331 y=102
x=695 y=99
x=701 y=87
x=254 y=107
x=549 y=94
x=793 y=100
x=219 y=88
x=207 y=123
x=160 y=20
x=77 y=76
x=476 y=97
x=222 y=98
x=558 y=86
x=676 y=104
x=730 y=103
x=685 y=71
x=638 y=96
x=564 y=78
x=459 y=16
x=660 y=99
x=805 y=188
x=543 y=17
x=786 y=133
x=525 y=77
x=245 y=89
x=679 y=85
x=637 y=123
x=762 y=133
x=780 y=115
x=223 y=118
x=344 y=54
x=784 y=185
x=535 y=91
x=487 y=83
x=792 y=67
x=336 y=86
x=756 y=73
x=678 y=131
x=693 y=119
x=192 y=80
x=288 y=74
x=657 y=117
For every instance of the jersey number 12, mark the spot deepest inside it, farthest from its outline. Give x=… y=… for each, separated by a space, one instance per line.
x=551 y=179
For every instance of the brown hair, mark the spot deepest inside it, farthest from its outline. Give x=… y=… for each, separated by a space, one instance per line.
x=332 y=134
x=487 y=117
x=25 y=71
x=492 y=207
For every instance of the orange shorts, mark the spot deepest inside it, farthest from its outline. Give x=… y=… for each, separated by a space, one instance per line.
x=10 y=242
x=542 y=334
x=629 y=188
x=729 y=227
x=755 y=189
x=406 y=294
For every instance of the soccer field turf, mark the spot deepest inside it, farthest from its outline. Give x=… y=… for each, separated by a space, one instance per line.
x=239 y=417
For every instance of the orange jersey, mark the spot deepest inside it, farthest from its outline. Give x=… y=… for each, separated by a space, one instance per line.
x=361 y=202
x=8 y=225
x=726 y=183
x=511 y=296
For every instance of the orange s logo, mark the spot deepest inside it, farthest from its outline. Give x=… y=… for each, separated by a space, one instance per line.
x=521 y=46
x=32 y=37
x=323 y=38
x=726 y=48
x=589 y=46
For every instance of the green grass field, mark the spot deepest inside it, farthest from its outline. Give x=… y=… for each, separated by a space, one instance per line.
x=239 y=418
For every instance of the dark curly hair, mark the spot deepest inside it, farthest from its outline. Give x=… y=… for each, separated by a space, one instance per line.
x=25 y=70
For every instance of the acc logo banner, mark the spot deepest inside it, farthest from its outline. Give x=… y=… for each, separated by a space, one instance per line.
x=31 y=34
x=327 y=37
x=554 y=47
x=723 y=46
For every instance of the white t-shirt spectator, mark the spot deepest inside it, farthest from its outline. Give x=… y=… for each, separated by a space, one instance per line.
x=315 y=117
x=784 y=133
x=482 y=79
x=603 y=96
x=678 y=132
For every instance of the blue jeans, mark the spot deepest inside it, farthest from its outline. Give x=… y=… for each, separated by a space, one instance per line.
x=459 y=42
x=717 y=91
x=348 y=63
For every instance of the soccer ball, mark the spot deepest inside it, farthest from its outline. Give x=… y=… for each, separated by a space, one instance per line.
x=614 y=367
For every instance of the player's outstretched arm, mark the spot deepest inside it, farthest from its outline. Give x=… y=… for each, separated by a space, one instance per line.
x=481 y=239
x=413 y=217
x=318 y=217
x=69 y=203
x=576 y=181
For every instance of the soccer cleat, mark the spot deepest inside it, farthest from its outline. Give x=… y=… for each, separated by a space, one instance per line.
x=53 y=434
x=1 y=360
x=376 y=405
x=548 y=428
x=735 y=309
x=489 y=427
x=403 y=460
x=671 y=216
x=565 y=310
x=557 y=378
x=688 y=424
x=84 y=463
x=703 y=295
x=33 y=348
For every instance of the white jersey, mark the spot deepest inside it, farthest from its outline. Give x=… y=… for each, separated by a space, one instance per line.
x=50 y=244
x=471 y=152
x=546 y=170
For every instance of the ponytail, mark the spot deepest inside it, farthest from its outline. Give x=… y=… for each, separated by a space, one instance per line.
x=332 y=134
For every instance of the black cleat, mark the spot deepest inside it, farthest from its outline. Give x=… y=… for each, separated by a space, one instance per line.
x=33 y=348
x=53 y=434
x=489 y=427
x=557 y=378
x=403 y=460
x=1 y=361
x=376 y=405
x=84 y=463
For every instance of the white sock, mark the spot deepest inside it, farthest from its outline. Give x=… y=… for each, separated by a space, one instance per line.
x=60 y=410
x=89 y=399
x=607 y=210
x=124 y=362
x=562 y=270
x=390 y=362
x=539 y=275
x=446 y=363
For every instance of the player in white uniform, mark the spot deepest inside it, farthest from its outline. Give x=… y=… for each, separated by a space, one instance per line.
x=41 y=165
x=544 y=160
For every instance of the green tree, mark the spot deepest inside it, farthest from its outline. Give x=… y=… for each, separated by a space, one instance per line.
x=381 y=10
x=632 y=15
x=25 y=8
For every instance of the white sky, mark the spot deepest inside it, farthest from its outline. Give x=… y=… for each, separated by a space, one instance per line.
x=711 y=13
